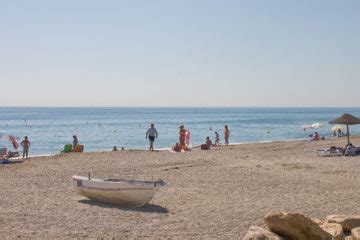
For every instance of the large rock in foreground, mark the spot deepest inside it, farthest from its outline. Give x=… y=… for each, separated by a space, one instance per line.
x=347 y=222
x=334 y=229
x=295 y=226
x=258 y=233
x=355 y=233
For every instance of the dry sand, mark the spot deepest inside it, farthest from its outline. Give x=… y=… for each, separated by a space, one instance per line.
x=209 y=194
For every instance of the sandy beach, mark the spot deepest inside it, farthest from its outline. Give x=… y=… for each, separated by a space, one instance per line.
x=208 y=194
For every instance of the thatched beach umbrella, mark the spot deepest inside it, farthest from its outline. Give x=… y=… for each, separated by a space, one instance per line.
x=346 y=119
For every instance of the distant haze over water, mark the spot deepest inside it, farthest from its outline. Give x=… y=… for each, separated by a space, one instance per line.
x=102 y=128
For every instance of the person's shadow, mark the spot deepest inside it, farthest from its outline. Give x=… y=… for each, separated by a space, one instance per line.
x=149 y=208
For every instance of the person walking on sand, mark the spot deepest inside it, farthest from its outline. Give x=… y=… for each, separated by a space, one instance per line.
x=227 y=135
x=26 y=145
x=151 y=134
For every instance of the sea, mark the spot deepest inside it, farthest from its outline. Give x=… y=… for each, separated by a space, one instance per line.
x=100 y=129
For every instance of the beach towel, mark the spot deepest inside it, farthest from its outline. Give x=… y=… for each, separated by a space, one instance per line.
x=6 y=161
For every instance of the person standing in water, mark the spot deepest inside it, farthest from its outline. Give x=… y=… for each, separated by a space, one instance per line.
x=227 y=135
x=26 y=145
x=151 y=134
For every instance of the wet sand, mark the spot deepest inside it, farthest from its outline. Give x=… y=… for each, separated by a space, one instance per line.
x=209 y=194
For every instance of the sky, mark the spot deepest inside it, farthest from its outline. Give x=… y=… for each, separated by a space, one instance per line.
x=230 y=53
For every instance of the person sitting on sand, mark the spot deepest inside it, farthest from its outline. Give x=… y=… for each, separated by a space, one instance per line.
x=26 y=145
x=217 y=139
x=176 y=147
x=315 y=137
x=352 y=150
x=115 y=149
x=208 y=144
x=75 y=142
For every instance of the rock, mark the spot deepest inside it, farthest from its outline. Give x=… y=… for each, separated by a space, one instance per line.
x=258 y=233
x=295 y=226
x=347 y=222
x=355 y=234
x=317 y=221
x=334 y=229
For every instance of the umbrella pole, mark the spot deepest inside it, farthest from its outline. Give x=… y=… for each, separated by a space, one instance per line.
x=348 y=133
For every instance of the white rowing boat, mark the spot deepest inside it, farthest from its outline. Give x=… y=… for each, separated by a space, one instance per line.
x=131 y=193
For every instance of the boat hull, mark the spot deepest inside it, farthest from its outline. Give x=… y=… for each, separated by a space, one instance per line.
x=119 y=193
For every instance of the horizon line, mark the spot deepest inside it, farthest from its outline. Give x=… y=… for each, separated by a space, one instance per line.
x=88 y=106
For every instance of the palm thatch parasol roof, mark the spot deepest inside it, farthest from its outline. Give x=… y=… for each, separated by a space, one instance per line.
x=346 y=119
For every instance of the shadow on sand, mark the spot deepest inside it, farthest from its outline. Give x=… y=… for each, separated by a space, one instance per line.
x=149 y=208
x=7 y=162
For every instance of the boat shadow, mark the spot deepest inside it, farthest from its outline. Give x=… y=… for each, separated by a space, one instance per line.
x=147 y=208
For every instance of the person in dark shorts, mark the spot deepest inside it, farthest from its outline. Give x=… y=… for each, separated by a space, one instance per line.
x=152 y=134
x=26 y=145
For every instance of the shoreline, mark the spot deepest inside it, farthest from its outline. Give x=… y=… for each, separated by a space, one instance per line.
x=169 y=148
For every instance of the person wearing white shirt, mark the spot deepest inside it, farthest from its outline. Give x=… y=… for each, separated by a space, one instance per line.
x=152 y=134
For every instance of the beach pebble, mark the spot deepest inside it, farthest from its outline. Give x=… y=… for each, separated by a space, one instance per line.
x=258 y=233
x=347 y=222
x=295 y=226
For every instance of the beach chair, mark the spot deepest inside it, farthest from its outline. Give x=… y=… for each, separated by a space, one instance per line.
x=330 y=152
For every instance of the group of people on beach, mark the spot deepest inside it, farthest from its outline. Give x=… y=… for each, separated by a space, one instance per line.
x=151 y=135
x=184 y=139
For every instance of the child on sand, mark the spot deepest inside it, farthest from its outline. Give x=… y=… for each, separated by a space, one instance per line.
x=26 y=145
x=217 y=139
x=176 y=147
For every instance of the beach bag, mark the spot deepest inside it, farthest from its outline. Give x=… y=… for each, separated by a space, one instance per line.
x=67 y=148
x=79 y=148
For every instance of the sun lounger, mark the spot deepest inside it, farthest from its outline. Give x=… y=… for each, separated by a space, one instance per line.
x=3 y=152
x=330 y=152
x=353 y=151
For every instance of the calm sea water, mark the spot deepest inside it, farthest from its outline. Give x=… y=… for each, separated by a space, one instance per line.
x=102 y=128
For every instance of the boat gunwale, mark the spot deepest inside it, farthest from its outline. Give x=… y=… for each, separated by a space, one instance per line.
x=152 y=184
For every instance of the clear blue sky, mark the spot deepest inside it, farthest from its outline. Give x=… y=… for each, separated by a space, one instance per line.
x=180 y=53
